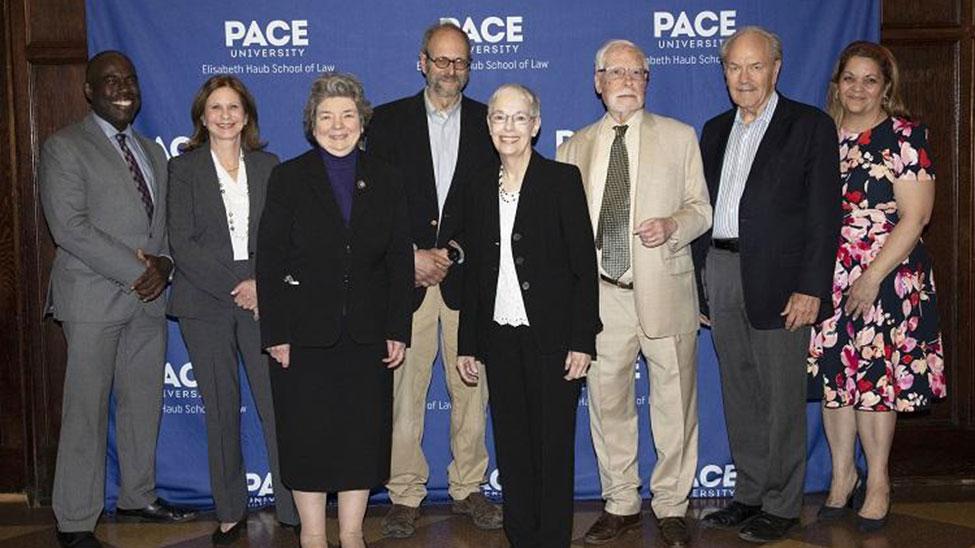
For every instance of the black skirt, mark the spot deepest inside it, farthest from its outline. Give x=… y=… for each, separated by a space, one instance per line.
x=334 y=413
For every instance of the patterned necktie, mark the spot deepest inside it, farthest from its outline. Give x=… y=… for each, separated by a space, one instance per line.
x=140 y=180
x=612 y=233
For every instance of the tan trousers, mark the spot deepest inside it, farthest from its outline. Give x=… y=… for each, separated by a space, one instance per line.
x=468 y=404
x=672 y=366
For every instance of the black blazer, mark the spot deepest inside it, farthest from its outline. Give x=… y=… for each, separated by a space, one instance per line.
x=789 y=215
x=398 y=133
x=554 y=255
x=316 y=276
x=199 y=239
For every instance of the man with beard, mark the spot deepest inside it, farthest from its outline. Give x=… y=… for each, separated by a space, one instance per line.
x=103 y=189
x=436 y=138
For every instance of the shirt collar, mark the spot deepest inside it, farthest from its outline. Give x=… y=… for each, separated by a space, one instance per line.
x=634 y=123
x=434 y=111
x=110 y=131
x=766 y=114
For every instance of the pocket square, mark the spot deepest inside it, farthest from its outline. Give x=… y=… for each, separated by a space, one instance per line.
x=289 y=279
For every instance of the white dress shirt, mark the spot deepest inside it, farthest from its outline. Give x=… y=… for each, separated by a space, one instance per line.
x=236 y=203
x=509 y=307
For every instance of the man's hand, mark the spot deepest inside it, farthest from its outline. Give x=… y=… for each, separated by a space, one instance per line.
x=800 y=311
x=576 y=365
x=704 y=320
x=395 y=353
x=431 y=266
x=281 y=354
x=655 y=232
x=469 y=369
x=245 y=295
x=152 y=282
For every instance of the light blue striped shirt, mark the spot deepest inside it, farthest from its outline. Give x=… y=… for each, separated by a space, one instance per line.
x=141 y=157
x=739 y=154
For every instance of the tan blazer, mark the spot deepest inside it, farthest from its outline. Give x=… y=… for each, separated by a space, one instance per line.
x=670 y=183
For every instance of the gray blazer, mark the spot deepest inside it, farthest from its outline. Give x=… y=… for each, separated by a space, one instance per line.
x=98 y=222
x=199 y=237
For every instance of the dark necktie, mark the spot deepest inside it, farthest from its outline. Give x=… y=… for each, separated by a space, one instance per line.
x=612 y=233
x=137 y=176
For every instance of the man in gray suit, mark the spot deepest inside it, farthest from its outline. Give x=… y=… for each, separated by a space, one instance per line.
x=103 y=189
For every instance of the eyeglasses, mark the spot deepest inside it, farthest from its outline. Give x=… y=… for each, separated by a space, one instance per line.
x=519 y=119
x=441 y=63
x=619 y=73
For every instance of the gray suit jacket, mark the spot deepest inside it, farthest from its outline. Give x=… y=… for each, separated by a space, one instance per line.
x=98 y=222
x=198 y=233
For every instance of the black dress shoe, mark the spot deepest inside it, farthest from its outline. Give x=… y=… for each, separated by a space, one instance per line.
x=673 y=531
x=610 y=527
x=221 y=537
x=732 y=515
x=80 y=539
x=766 y=528
x=157 y=511
x=853 y=501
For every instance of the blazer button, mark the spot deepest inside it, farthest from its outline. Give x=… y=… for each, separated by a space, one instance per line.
x=516 y=236
x=519 y=261
x=348 y=249
x=525 y=285
x=433 y=222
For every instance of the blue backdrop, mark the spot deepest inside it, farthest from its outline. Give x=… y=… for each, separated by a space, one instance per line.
x=276 y=48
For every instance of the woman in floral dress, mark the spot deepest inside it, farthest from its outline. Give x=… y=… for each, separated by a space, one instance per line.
x=880 y=352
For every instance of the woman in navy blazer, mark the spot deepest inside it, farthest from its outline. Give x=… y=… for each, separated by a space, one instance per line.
x=217 y=188
x=335 y=279
x=529 y=317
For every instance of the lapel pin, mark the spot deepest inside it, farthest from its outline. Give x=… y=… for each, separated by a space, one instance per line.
x=361 y=184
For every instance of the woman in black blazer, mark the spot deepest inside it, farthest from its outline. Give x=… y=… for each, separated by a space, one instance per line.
x=529 y=316
x=335 y=274
x=216 y=195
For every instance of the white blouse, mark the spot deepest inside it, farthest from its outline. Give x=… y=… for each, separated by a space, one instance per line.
x=236 y=202
x=509 y=307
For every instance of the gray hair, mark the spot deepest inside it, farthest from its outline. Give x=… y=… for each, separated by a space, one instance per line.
x=535 y=104
x=772 y=39
x=444 y=26
x=335 y=84
x=619 y=43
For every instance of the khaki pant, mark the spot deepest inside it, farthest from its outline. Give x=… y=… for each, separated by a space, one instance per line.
x=672 y=367
x=435 y=325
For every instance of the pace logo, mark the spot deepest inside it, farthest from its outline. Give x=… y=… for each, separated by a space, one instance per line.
x=273 y=46
x=492 y=488
x=260 y=490
x=688 y=30
x=715 y=481
x=497 y=42
x=180 y=395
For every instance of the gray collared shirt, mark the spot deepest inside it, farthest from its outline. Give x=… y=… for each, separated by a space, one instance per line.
x=739 y=154
x=444 y=129
x=141 y=157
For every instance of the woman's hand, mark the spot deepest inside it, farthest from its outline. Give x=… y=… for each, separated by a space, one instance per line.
x=395 y=353
x=861 y=296
x=576 y=365
x=245 y=294
x=469 y=369
x=281 y=354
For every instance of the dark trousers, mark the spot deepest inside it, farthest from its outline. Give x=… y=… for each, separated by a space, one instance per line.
x=763 y=384
x=533 y=410
x=214 y=344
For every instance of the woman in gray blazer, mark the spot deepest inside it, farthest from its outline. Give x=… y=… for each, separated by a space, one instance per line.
x=217 y=194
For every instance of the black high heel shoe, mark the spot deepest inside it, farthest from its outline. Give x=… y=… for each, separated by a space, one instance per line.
x=853 y=502
x=871 y=525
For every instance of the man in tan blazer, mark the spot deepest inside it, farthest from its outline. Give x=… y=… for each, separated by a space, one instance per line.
x=647 y=200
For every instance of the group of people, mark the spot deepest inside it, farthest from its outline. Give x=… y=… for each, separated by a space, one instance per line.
x=431 y=224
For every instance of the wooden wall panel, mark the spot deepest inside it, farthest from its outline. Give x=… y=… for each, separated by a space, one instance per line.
x=927 y=13
x=55 y=23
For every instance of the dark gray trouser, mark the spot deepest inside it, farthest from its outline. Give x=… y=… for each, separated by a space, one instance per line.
x=213 y=344
x=763 y=381
x=129 y=355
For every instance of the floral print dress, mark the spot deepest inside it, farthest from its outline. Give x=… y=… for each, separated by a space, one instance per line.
x=891 y=358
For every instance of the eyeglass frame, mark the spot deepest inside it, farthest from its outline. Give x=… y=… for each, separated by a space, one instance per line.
x=501 y=123
x=610 y=73
x=466 y=63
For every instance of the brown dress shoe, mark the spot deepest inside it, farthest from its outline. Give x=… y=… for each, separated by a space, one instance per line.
x=610 y=527
x=482 y=512
x=400 y=522
x=674 y=532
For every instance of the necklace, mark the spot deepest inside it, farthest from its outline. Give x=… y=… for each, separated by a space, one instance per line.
x=232 y=221
x=506 y=197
